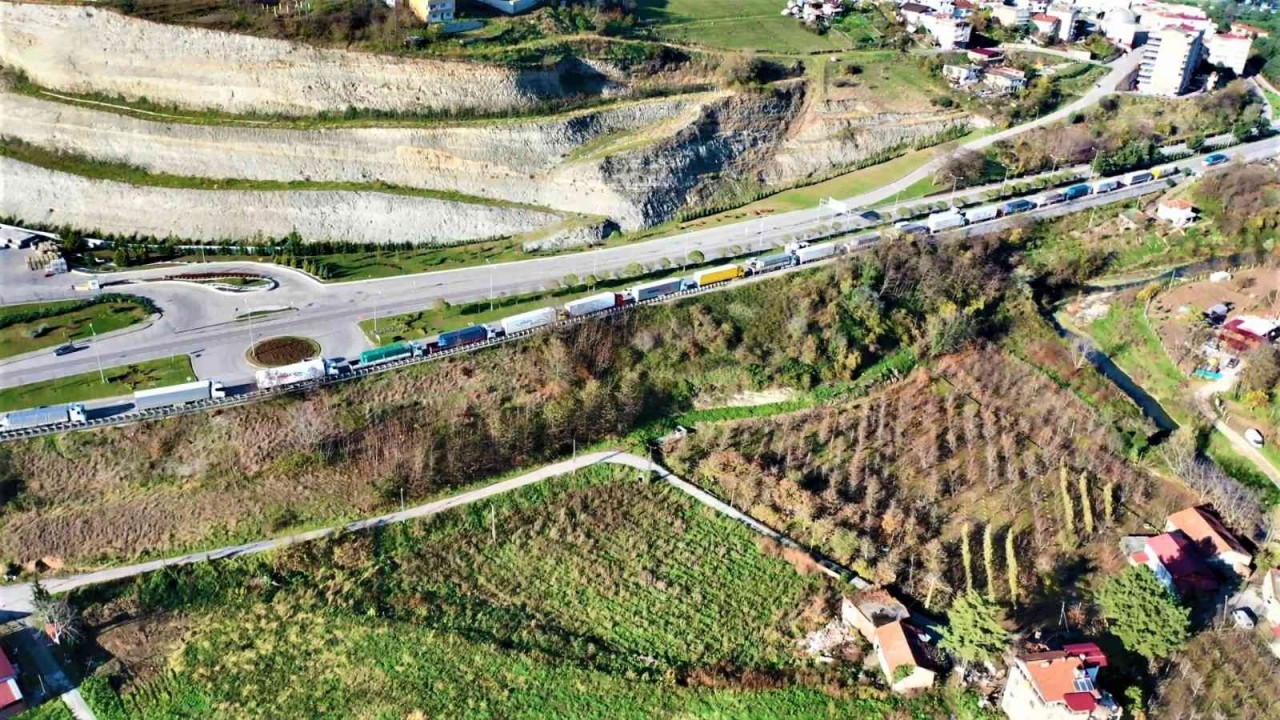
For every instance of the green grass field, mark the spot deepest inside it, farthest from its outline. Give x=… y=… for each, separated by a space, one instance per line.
x=55 y=329
x=121 y=380
x=737 y=25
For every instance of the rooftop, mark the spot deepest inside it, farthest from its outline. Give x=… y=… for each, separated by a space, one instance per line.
x=898 y=642
x=1178 y=555
x=1205 y=530
x=1178 y=204
x=1059 y=676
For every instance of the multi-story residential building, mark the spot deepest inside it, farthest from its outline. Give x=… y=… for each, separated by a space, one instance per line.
x=1046 y=26
x=1058 y=685
x=1212 y=539
x=433 y=11
x=1120 y=26
x=1171 y=57
x=1229 y=50
x=1067 y=16
x=949 y=32
x=1012 y=15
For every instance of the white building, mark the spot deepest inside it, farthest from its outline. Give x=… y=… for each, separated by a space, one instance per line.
x=1179 y=213
x=1120 y=26
x=914 y=14
x=1058 y=685
x=948 y=32
x=1046 y=26
x=1067 y=16
x=433 y=11
x=1229 y=50
x=1171 y=58
x=1012 y=15
x=1006 y=79
x=962 y=75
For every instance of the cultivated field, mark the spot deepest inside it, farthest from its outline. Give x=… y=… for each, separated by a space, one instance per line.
x=893 y=484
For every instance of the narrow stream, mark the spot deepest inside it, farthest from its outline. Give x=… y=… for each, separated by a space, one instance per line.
x=1125 y=384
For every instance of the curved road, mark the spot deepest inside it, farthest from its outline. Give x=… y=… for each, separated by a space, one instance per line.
x=17 y=598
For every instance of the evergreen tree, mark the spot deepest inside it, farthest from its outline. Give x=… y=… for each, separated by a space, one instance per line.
x=988 y=558
x=1086 y=507
x=974 y=631
x=1142 y=612
x=1011 y=563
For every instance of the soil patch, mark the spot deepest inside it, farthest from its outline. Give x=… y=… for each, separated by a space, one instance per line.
x=286 y=350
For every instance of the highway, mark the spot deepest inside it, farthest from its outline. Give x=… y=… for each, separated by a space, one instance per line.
x=201 y=321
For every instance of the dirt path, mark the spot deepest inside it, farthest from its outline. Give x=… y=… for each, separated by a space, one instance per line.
x=17 y=598
x=1204 y=403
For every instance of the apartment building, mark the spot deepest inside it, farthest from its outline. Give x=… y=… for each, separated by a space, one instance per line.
x=1229 y=50
x=1012 y=15
x=1171 y=57
x=433 y=11
x=1067 y=16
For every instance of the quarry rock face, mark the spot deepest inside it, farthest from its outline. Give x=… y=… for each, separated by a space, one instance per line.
x=73 y=48
x=57 y=198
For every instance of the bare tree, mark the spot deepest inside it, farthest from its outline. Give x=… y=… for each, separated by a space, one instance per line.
x=56 y=616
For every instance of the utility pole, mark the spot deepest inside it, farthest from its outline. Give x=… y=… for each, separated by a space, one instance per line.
x=490 y=266
x=98 y=352
x=376 y=334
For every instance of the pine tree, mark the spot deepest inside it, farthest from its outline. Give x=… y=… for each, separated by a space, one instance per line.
x=974 y=631
x=966 y=555
x=1011 y=563
x=988 y=558
x=1109 y=502
x=1086 y=507
x=1142 y=612
x=1068 y=509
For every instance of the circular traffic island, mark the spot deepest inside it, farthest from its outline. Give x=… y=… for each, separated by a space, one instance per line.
x=284 y=350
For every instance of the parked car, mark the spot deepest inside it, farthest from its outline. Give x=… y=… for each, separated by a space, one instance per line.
x=1215 y=159
x=870 y=215
x=1243 y=618
x=1254 y=437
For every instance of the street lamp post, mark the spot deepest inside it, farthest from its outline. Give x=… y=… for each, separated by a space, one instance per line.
x=490 y=266
x=97 y=351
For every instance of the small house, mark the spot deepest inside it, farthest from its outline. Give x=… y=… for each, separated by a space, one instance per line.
x=962 y=74
x=1212 y=539
x=1046 y=26
x=1247 y=332
x=986 y=56
x=1006 y=79
x=1058 y=685
x=1134 y=219
x=871 y=609
x=904 y=656
x=1179 y=212
x=913 y=14
x=1177 y=564
x=11 y=702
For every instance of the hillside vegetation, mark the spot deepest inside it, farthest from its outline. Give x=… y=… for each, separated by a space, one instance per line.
x=250 y=471
x=600 y=596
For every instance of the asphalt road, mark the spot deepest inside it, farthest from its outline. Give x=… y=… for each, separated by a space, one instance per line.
x=200 y=321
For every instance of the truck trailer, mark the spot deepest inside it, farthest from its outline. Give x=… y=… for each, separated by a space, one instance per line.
x=386 y=353
x=285 y=375
x=528 y=320
x=1075 y=192
x=655 y=289
x=982 y=214
x=814 y=253
x=724 y=273
x=176 y=395
x=771 y=262
x=592 y=304
x=947 y=220
x=41 y=416
x=1013 y=207
x=465 y=336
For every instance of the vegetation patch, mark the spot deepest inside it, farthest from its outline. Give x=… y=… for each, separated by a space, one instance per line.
x=24 y=328
x=286 y=350
x=119 y=380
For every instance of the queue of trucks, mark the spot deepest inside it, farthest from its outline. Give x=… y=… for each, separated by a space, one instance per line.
x=954 y=217
x=315 y=370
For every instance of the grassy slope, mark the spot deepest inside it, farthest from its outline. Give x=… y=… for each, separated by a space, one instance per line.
x=736 y=25
x=121 y=380
x=74 y=325
x=591 y=592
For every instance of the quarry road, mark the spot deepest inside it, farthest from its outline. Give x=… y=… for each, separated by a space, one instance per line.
x=16 y=599
x=201 y=322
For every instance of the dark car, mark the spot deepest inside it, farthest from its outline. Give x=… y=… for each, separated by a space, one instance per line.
x=870 y=216
x=66 y=349
x=1215 y=159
